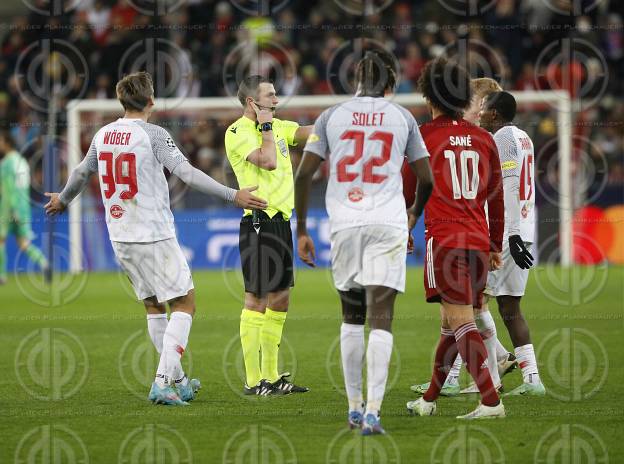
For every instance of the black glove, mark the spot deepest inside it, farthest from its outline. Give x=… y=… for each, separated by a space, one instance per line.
x=519 y=252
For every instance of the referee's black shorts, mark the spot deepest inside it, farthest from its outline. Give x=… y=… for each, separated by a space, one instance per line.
x=267 y=256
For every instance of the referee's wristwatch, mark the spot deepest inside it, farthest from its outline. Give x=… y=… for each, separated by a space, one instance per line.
x=265 y=127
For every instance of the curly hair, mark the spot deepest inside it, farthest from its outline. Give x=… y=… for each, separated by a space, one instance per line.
x=446 y=86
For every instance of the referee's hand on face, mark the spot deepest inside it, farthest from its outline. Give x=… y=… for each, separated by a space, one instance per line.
x=263 y=115
x=246 y=200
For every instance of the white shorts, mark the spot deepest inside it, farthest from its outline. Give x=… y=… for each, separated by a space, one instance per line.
x=369 y=255
x=510 y=280
x=155 y=268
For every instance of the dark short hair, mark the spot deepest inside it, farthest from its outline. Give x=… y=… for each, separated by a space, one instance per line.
x=504 y=103
x=248 y=87
x=376 y=72
x=446 y=85
x=135 y=90
x=6 y=135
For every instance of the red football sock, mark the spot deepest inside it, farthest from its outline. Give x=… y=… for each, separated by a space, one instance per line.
x=474 y=354
x=444 y=357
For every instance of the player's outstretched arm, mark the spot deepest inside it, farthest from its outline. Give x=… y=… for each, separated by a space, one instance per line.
x=54 y=206
x=78 y=180
x=201 y=181
x=303 y=180
x=302 y=134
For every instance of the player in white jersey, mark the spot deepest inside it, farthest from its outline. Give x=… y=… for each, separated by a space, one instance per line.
x=508 y=283
x=129 y=155
x=365 y=140
x=504 y=360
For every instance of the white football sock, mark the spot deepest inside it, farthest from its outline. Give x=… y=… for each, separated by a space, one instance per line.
x=501 y=351
x=527 y=363
x=487 y=329
x=453 y=376
x=174 y=343
x=377 y=363
x=352 y=354
x=156 y=326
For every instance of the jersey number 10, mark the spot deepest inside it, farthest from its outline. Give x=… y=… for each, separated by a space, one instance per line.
x=469 y=182
x=112 y=178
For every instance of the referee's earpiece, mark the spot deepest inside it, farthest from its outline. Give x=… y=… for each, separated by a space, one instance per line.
x=256 y=104
x=262 y=107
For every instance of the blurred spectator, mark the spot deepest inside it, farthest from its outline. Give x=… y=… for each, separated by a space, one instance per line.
x=310 y=48
x=99 y=19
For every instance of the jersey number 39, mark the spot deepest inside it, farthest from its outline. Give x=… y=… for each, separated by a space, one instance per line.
x=123 y=174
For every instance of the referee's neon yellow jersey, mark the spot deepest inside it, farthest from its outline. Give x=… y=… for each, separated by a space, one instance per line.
x=277 y=186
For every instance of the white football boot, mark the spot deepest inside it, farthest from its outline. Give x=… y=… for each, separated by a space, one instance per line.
x=421 y=407
x=485 y=412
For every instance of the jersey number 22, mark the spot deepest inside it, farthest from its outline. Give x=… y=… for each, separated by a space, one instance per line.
x=368 y=176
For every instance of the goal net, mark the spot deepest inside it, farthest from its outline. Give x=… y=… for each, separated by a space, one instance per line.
x=198 y=126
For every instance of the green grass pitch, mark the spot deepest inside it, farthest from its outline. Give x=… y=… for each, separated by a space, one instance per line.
x=77 y=363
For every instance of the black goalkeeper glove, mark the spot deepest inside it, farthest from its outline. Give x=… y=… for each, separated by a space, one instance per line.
x=519 y=252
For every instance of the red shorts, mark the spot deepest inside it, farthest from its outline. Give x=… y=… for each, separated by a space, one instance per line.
x=455 y=275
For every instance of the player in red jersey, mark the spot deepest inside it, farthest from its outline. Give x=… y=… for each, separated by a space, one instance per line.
x=461 y=248
x=500 y=360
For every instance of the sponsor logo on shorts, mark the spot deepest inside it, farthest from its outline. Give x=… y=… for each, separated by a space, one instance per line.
x=356 y=194
x=116 y=211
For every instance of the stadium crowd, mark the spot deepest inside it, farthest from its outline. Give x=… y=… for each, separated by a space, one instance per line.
x=528 y=45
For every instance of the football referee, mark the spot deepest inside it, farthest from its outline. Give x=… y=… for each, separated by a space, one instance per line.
x=257 y=148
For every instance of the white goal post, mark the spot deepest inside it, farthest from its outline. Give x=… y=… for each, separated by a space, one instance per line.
x=559 y=100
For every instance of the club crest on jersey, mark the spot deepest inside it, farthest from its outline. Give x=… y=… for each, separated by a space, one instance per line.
x=356 y=194
x=116 y=211
x=283 y=148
